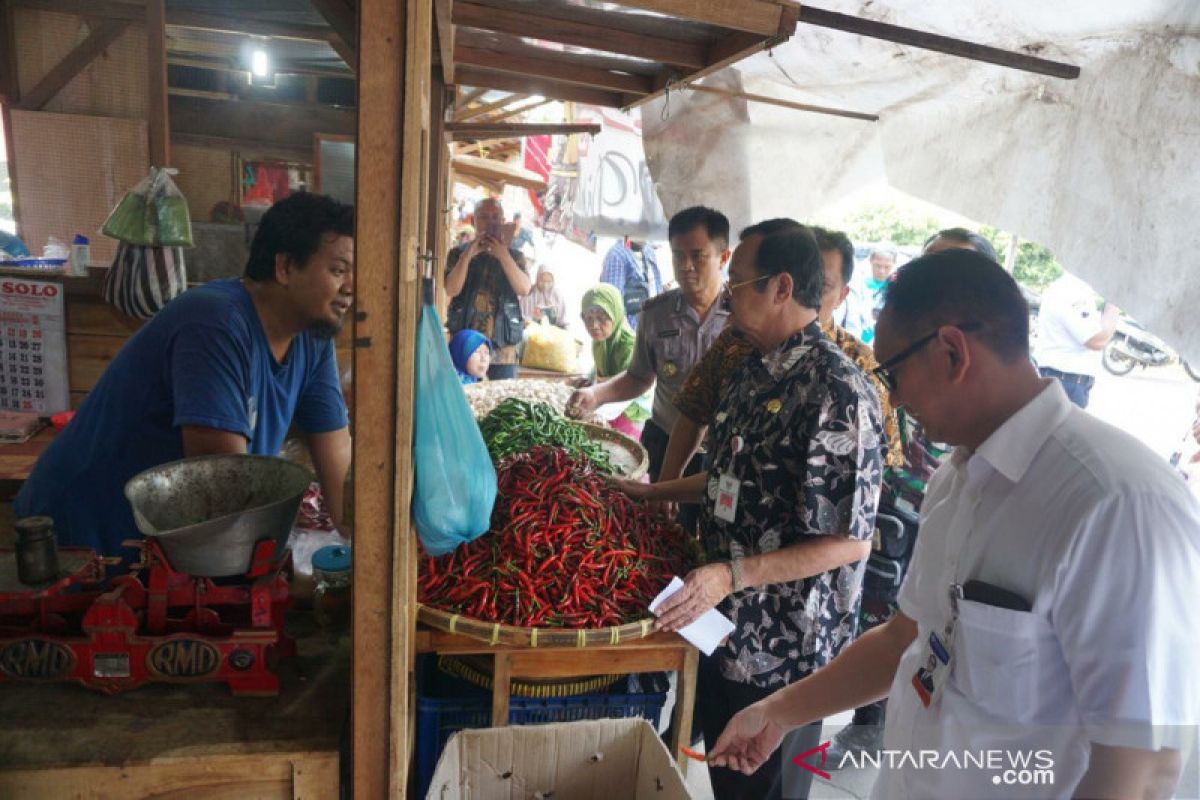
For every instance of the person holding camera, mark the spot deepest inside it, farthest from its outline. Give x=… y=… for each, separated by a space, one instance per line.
x=485 y=280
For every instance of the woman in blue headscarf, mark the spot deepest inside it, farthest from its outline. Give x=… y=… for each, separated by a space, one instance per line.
x=471 y=352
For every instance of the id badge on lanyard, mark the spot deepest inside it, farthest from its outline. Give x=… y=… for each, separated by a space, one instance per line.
x=937 y=656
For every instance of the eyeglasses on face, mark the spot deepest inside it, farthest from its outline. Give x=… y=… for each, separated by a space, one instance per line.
x=729 y=288
x=885 y=372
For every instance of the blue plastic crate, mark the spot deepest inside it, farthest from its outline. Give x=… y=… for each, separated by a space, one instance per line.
x=438 y=718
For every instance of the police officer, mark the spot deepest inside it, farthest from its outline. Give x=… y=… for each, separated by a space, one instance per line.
x=674 y=329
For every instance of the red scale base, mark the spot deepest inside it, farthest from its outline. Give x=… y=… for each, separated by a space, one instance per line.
x=152 y=625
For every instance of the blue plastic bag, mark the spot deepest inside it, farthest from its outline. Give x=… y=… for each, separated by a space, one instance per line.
x=455 y=482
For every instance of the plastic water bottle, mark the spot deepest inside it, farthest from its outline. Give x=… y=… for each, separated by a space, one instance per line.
x=81 y=255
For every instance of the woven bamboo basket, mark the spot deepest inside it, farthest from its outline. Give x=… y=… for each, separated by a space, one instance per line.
x=496 y=633
x=471 y=670
x=627 y=454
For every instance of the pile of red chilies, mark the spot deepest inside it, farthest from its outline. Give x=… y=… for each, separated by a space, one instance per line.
x=564 y=550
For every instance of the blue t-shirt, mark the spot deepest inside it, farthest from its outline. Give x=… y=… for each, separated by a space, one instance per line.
x=204 y=360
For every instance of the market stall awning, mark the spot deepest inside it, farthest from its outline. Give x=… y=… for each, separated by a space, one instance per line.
x=1097 y=168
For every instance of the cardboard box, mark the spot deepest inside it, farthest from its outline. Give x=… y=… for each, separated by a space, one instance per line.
x=589 y=760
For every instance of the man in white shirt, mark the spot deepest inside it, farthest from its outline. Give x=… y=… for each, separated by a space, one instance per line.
x=1046 y=640
x=1071 y=334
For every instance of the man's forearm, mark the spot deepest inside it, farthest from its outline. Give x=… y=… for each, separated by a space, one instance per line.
x=861 y=674
x=457 y=277
x=803 y=560
x=622 y=387
x=686 y=436
x=681 y=490
x=331 y=455
x=516 y=276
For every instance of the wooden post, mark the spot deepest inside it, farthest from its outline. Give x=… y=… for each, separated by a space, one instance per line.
x=158 y=127
x=394 y=44
x=437 y=235
x=382 y=44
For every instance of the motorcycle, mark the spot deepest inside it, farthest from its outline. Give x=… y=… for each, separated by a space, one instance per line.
x=1134 y=346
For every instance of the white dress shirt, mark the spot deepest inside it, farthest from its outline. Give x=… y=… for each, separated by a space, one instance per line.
x=1066 y=319
x=1102 y=538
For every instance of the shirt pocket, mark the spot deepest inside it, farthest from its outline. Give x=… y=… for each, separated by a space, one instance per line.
x=1001 y=660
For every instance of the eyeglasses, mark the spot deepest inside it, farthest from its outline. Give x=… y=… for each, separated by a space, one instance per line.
x=728 y=289
x=885 y=372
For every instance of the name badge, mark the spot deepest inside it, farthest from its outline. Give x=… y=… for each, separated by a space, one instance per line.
x=728 y=489
x=929 y=678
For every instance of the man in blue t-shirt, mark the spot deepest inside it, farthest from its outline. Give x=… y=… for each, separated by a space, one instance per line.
x=226 y=367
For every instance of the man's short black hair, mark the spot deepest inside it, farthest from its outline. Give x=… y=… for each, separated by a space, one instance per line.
x=977 y=242
x=714 y=222
x=295 y=227
x=955 y=287
x=796 y=253
x=770 y=227
x=836 y=240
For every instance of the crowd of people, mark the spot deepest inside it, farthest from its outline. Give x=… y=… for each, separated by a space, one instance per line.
x=933 y=520
x=930 y=523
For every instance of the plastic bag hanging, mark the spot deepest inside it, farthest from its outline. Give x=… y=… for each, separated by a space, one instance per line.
x=455 y=483
x=153 y=213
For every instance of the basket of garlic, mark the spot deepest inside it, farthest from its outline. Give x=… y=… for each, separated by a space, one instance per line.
x=486 y=395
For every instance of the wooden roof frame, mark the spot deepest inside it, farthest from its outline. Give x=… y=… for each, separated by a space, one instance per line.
x=734 y=29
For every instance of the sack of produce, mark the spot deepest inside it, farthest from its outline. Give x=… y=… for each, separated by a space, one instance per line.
x=153 y=213
x=549 y=347
x=455 y=482
x=143 y=279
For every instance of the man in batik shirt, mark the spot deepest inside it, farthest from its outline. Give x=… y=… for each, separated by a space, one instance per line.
x=788 y=505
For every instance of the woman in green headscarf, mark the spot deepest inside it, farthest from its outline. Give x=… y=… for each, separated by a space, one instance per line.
x=612 y=345
x=612 y=338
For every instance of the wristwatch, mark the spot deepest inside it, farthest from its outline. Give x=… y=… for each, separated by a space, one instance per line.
x=735 y=570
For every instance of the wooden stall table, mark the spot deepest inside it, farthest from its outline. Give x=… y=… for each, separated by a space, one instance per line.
x=183 y=740
x=17 y=460
x=658 y=652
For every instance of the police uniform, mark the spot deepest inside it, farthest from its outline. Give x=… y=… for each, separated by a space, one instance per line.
x=671 y=338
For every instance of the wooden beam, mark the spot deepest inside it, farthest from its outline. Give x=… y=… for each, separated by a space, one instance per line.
x=414 y=157
x=264 y=123
x=75 y=62
x=134 y=12
x=561 y=69
x=515 y=45
x=347 y=53
x=248 y=148
x=222 y=64
x=774 y=101
x=383 y=44
x=546 y=87
x=158 y=122
x=468 y=131
x=752 y=16
x=609 y=38
x=937 y=43
x=445 y=35
x=471 y=113
x=725 y=52
x=498 y=172
x=466 y=98
x=10 y=86
x=179 y=91
x=518 y=110
x=245 y=25
x=341 y=17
